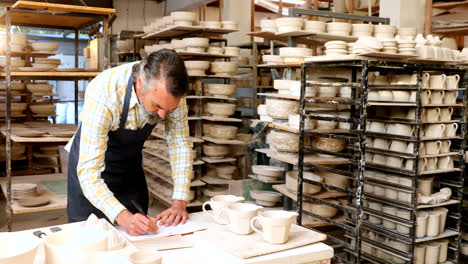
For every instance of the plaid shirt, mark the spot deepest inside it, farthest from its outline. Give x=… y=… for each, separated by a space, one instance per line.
x=101 y=113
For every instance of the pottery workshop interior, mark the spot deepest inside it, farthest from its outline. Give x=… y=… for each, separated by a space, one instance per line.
x=233 y=131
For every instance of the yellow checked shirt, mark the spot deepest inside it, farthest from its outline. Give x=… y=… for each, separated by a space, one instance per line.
x=101 y=113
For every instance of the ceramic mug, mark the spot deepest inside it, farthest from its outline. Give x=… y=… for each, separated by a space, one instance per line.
x=431 y=164
x=401 y=96
x=445 y=163
x=450 y=98
x=452 y=81
x=433 y=223
x=438 y=81
x=437 y=97
x=446 y=114
x=443 y=218
x=425 y=80
x=432 y=253
x=446 y=144
x=380 y=143
x=432 y=147
x=400 y=129
x=240 y=215
x=430 y=114
x=380 y=79
x=276 y=225
x=451 y=130
x=425 y=52
x=398 y=145
x=439 y=53
x=421 y=224
x=220 y=201
x=377 y=127
x=434 y=130
x=426 y=97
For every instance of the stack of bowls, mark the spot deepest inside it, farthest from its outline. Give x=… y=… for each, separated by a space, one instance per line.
x=286 y=24
x=384 y=31
x=167 y=21
x=197 y=68
x=367 y=44
x=408 y=33
x=389 y=46
x=178 y=45
x=336 y=48
x=339 y=28
x=407 y=47
x=294 y=55
x=268 y=173
x=40 y=88
x=212 y=24
x=272 y=59
x=216 y=50
x=197 y=45
x=46 y=63
x=268 y=25
x=17 y=43
x=360 y=30
x=230 y=25
x=24 y=190
x=232 y=51
x=314 y=26
x=43 y=109
x=44 y=46
x=224 y=68
x=182 y=18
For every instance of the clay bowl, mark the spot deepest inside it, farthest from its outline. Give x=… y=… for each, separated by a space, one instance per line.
x=222 y=90
x=196 y=42
x=212 y=24
x=216 y=150
x=284 y=141
x=265 y=198
x=339 y=27
x=196 y=67
x=14 y=86
x=178 y=44
x=270 y=171
x=44 y=46
x=220 y=109
x=15 y=107
x=39 y=109
x=183 y=16
x=307 y=188
x=18 y=247
x=272 y=59
x=295 y=52
x=315 y=26
x=232 y=51
x=328 y=144
x=223 y=131
x=281 y=108
x=321 y=209
x=146 y=257
x=224 y=67
x=216 y=50
x=289 y=23
x=334 y=179
x=225 y=171
x=73 y=243
x=229 y=24
x=40 y=87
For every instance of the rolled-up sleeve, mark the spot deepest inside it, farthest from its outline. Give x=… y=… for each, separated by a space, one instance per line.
x=180 y=150
x=96 y=120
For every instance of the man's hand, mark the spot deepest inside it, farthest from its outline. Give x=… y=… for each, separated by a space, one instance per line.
x=136 y=224
x=176 y=214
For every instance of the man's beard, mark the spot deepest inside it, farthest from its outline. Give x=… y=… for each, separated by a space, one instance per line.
x=151 y=118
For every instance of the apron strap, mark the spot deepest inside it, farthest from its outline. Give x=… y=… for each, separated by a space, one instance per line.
x=128 y=93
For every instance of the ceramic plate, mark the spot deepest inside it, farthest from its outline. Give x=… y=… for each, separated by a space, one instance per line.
x=33 y=201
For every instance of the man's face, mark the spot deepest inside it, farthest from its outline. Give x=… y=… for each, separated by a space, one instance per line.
x=156 y=100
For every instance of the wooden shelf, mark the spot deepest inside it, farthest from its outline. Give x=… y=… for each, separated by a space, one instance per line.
x=31 y=54
x=281 y=96
x=178 y=31
x=56 y=201
x=156 y=154
x=293 y=158
x=323 y=195
x=446 y=233
x=47 y=15
x=205 y=54
x=449 y=5
x=269 y=182
x=424 y=206
x=210 y=97
x=302 y=36
x=215 y=180
x=50 y=75
x=282 y=65
x=193 y=139
x=213 y=161
x=224 y=141
x=461 y=30
x=221 y=119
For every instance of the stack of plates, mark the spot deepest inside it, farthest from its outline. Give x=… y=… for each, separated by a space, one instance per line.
x=24 y=190
x=336 y=48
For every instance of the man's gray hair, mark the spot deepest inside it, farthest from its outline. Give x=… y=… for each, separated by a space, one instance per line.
x=164 y=64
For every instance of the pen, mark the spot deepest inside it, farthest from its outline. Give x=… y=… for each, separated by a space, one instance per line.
x=138 y=207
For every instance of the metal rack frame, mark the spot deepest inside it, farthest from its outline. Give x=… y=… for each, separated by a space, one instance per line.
x=366 y=66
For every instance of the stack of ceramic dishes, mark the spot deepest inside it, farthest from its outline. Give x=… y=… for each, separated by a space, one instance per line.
x=24 y=190
x=15 y=64
x=389 y=46
x=178 y=45
x=336 y=48
x=266 y=198
x=268 y=25
x=212 y=24
x=216 y=50
x=286 y=24
x=294 y=55
x=182 y=18
x=272 y=59
x=229 y=24
x=408 y=33
x=46 y=63
x=315 y=26
x=197 y=68
x=43 y=109
x=339 y=28
x=360 y=30
x=40 y=88
x=384 y=31
x=268 y=173
x=407 y=47
x=17 y=43
x=232 y=51
x=197 y=45
x=44 y=46
x=367 y=44
x=224 y=68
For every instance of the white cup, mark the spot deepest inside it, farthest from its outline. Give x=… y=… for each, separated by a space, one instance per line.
x=450 y=98
x=433 y=224
x=451 y=130
x=431 y=164
x=220 y=201
x=446 y=114
x=421 y=224
x=452 y=81
x=445 y=163
x=240 y=215
x=434 y=130
x=432 y=147
x=276 y=225
x=430 y=114
x=426 y=97
x=438 y=81
x=446 y=144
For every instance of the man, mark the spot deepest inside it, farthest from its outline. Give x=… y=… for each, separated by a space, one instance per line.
x=122 y=105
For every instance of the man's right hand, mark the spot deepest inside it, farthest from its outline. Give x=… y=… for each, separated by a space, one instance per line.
x=136 y=224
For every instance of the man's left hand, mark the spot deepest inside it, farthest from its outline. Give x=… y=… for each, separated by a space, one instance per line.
x=176 y=214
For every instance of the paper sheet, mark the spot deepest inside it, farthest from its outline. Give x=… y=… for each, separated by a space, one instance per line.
x=188 y=227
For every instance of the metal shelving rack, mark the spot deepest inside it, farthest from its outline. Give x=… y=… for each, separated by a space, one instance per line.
x=45 y=15
x=359 y=244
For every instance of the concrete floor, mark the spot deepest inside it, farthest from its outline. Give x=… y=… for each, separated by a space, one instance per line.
x=51 y=218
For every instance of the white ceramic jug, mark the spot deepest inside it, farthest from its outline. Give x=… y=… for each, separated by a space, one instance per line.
x=276 y=225
x=240 y=215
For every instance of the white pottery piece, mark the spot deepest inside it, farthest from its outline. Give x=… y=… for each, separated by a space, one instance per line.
x=432 y=253
x=433 y=224
x=321 y=209
x=240 y=215
x=271 y=171
x=281 y=108
x=443 y=217
x=307 y=188
x=266 y=198
x=226 y=68
x=220 y=109
x=218 y=202
x=216 y=150
x=391 y=210
x=18 y=247
x=443 y=250
x=223 y=131
x=275 y=224
x=421 y=223
x=222 y=90
x=419 y=253
x=284 y=141
x=44 y=46
x=229 y=24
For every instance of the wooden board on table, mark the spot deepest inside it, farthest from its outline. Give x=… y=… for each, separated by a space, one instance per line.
x=56 y=201
x=252 y=245
x=293 y=195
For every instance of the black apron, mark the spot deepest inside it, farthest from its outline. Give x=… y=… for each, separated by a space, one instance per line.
x=123 y=173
